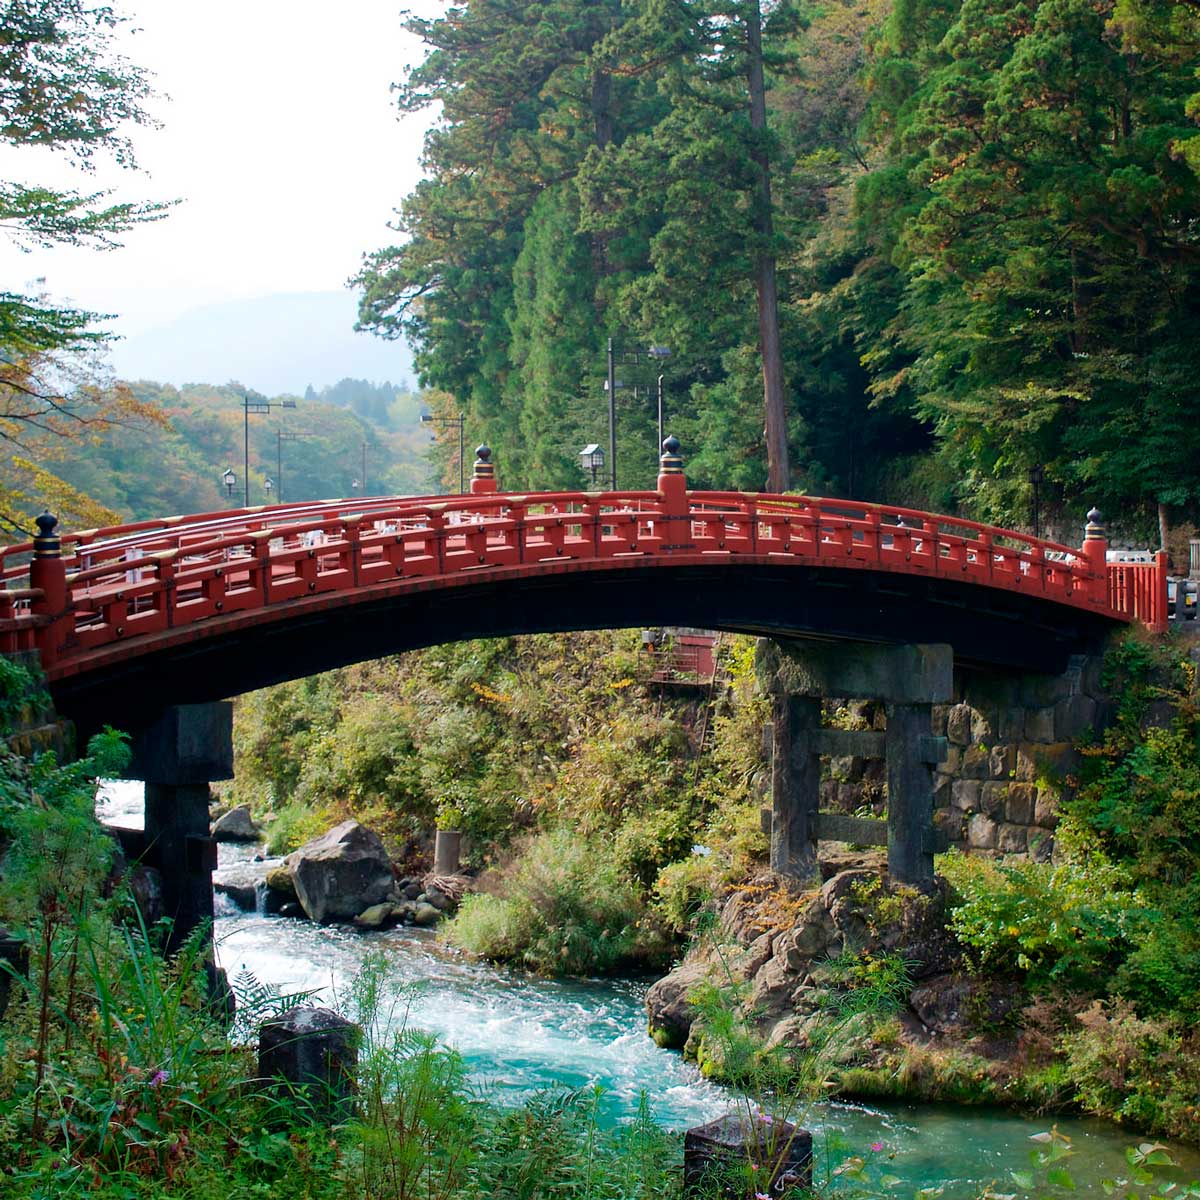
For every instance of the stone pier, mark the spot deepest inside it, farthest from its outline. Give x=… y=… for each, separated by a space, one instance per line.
x=185 y=750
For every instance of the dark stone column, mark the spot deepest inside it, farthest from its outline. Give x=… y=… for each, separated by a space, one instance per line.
x=738 y=1155
x=178 y=756
x=910 y=793
x=795 y=785
x=313 y=1054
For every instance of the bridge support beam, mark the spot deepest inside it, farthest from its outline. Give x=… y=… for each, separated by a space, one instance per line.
x=910 y=680
x=185 y=750
x=795 y=785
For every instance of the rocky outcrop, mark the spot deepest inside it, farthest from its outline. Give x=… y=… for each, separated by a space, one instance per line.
x=342 y=873
x=235 y=826
x=792 y=949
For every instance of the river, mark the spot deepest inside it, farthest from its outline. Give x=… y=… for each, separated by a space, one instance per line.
x=518 y=1034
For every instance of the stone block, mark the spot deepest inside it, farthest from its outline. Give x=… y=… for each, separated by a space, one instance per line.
x=981 y=832
x=1045 y=809
x=952 y=764
x=951 y=823
x=905 y=674
x=1011 y=839
x=938 y=717
x=1010 y=724
x=1073 y=716
x=188 y=744
x=1018 y=806
x=943 y=789
x=974 y=763
x=1025 y=769
x=1002 y=761
x=958 y=725
x=716 y=1158
x=313 y=1053
x=1041 y=845
x=982 y=729
x=1039 y=724
x=1042 y=691
x=992 y=797
x=964 y=795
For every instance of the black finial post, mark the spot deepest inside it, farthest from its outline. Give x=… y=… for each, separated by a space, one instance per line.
x=483 y=479
x=47 y=543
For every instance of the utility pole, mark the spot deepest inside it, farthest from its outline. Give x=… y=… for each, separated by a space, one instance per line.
x=612 y=418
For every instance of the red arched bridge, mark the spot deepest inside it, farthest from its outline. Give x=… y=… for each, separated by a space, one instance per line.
x=130 y=619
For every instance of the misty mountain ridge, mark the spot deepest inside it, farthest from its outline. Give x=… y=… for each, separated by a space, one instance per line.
x=276 y=344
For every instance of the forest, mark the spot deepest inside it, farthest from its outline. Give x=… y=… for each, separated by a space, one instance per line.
x=968 y=228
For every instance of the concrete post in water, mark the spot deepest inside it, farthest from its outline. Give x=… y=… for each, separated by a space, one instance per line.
x=186 y=749
x=312 y=1053
x=483 y=478
x=737 y=1156
x=447 y=849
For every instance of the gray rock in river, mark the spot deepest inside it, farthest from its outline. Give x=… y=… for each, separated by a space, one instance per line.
x=377 y=916
x=235 y=826
x=341 y=873
x=425 y=914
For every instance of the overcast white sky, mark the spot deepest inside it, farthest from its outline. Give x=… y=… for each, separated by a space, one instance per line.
x=279 y=137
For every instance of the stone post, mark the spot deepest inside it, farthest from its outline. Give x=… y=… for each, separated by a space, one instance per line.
x=311 y=1053
x=795 y=785
x=737 y=1156
x=910 y=794
x=447 y=848
x=186 y=749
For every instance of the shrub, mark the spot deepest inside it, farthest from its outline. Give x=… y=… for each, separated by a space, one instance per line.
x=1070 y=923
x=1140 y=1071
x=562 y=907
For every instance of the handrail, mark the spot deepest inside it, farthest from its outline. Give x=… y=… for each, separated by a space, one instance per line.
x=99 y=587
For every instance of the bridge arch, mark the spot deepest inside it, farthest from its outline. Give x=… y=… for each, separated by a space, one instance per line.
x=131 y=620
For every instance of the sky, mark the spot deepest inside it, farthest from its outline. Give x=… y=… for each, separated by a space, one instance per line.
x=279 y=138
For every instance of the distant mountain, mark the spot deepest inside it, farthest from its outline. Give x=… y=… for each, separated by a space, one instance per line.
x=274 y=344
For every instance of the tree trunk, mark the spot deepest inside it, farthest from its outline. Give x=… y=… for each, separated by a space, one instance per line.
x=778 y=472
x=1162 y=527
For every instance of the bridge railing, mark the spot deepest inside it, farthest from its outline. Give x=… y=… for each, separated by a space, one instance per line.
x=102 y=587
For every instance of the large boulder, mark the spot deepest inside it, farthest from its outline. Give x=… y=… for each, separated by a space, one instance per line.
x=667 y=1006
x=235 y=826
x=341 y=873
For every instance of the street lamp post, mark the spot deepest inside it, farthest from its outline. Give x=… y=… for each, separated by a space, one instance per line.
x=254 y=406
x=1036 y=474
x=591 y=458
x=229 y=479
x=280 y=438
x=267 y=486
x=458 y=421
x=659 y=354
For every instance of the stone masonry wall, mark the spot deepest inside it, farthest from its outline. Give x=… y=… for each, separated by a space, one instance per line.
x=1010 y=759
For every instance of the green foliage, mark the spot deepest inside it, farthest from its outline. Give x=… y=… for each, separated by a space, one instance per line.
x=1069 y=923
x=563 y=907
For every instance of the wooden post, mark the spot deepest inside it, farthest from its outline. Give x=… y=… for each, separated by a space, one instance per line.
x=910 y=794
x=483 y=479
x=48 y=575
x=795 y=785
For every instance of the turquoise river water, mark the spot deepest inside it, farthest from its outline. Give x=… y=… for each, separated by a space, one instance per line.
x=518 y=1035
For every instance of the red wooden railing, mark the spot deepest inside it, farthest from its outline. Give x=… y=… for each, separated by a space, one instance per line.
x=119 y=584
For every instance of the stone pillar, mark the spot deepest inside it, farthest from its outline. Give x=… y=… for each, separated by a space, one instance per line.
x=910 y=793
x=447 y=847
x=910 y=679
x=313 y=1053
x=737 y=1156
x=186 y=749
x=795 y=785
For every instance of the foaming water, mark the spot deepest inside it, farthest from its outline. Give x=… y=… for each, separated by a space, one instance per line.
x=518 y=1035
